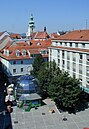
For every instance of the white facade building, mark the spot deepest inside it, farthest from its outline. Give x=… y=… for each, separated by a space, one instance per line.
x=71 y=52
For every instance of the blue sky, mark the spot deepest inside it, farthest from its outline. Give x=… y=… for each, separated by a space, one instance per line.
x=54 y=14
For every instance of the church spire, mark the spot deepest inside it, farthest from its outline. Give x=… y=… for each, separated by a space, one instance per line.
x=31 y=26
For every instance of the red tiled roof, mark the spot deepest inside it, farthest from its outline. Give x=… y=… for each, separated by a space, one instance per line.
x=45 y=43
x=15 y=36
x=40 y=35
x=33 y=49
x=3 y=38
x=22 y=43
x=54 y=35
x=32 y=35
x=7 y=45
x=12 y=53
x=76 y=35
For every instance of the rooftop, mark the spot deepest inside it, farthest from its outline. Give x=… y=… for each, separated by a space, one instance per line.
x=76 y=35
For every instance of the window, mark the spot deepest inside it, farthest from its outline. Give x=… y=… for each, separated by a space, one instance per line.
x=60 y=43
x=17 y=53
x=14 y=70
x=76 y=44
x=58 y=51
x=21 y=61
x=87 y=71
x=81 y=56
x=14 y=62
x=65 y=44
x=58 y=61
x=88 y=82
x=21 y=69
x=63 y=62
x=87 y=57
x=83 y=45
x=43 y=52
x=63 y=53
x=24 y=52
x=74 y=75
x=38 y=43
x=74 y=56
x=70 y=44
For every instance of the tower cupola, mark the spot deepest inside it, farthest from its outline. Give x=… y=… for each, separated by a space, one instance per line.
x=31 y=26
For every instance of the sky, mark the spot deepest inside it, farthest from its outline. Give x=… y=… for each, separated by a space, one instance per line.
x=56 y=15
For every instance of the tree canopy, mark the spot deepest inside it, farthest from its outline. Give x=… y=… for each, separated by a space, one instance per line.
x=58 y=84
x=37 y=64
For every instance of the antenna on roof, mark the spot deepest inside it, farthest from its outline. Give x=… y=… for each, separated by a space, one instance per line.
x=86 y=24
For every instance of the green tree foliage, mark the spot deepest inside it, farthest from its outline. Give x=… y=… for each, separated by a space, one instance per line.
x=37 y=64
x=58 y=84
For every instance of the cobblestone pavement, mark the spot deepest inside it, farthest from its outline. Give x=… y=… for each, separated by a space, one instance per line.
x=41 y=118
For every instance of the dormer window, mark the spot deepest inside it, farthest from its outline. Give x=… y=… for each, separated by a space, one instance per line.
x=38 y=43
x=43 y=52
x=17 y=53
x=6 y=52
x=24 y=52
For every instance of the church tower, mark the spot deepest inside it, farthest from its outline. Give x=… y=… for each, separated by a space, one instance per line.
x=30 y=26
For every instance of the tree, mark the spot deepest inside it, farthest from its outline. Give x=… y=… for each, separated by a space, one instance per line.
x=37 y=64
x=59 y=85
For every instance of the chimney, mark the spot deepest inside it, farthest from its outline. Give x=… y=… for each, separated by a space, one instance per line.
x=45 y=29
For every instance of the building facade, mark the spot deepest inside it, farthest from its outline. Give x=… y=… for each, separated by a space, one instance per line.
x=17 y=56
x=71 y=53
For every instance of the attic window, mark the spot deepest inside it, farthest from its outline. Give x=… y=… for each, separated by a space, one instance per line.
x=38 y=43
x=43 y=52
x=17 y=53
x=24 y=52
